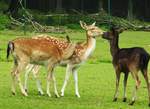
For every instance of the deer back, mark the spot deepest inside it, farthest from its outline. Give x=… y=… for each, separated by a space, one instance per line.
x=41 y=49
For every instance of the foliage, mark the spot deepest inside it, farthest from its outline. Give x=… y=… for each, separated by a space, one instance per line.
x=102 y=19
x=3 y=6
x=4 y=21
x=71 y=20
x=73 y=26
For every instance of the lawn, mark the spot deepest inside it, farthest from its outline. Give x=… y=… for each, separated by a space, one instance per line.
x=96 y=78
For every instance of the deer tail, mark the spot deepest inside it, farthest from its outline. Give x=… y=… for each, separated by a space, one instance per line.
x=10 y=48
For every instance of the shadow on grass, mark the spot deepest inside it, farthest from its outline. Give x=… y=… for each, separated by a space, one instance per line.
x=100 y=61
x=105 y=61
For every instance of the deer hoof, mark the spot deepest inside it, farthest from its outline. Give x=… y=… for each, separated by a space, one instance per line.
x=124 y=99
x=40 y=93
x=13 y=93
x=57 y=96
x=77 y=95
x=49 y=95
x=26 y=90
x=62 y=94
x=131 y=103
x=115 y=99
x=25 y=94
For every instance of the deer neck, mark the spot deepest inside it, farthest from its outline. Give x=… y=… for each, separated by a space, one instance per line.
x=90 y=46
x=114 y=47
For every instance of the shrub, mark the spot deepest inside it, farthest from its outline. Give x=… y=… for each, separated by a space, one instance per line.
x=4 y=21
x=3 y=5
x=73 y=26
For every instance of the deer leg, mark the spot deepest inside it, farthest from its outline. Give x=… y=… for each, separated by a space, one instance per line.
x=55 y=86
x=147 y=82
x=117 y=86
x=137 y=84
x=13 y=86
x=28 y=70
x=68 y=70
x=125 y=86
x=38 y=82
x=20 y=68
x=75 y=74
x=49 y=78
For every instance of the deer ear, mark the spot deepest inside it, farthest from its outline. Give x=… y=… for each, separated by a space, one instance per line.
x=94 y=24
x=117 y=29
x=83 y=25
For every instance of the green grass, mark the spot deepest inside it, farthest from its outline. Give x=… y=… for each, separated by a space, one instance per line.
x=96 y=78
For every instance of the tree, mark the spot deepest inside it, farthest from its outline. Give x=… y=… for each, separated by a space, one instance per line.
x=74 y=4
x=130 y=9
x=147 y=8
x=59 y=5
x=100 y=7
x=13 y=7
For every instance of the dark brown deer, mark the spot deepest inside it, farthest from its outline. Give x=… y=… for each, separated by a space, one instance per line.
x=127 y=60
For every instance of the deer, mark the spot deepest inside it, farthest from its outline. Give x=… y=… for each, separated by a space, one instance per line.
x=35 y=68
x=48 y=51
x=81 y=53
x=127 y=60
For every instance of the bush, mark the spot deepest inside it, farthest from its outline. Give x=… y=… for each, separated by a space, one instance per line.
x=4 y=21
x=73 y=26
x=3 y=5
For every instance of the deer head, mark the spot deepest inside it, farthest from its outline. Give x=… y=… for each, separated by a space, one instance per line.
x=114 y=32
x=92 y=30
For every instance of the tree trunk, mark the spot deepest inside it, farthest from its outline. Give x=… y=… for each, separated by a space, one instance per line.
x=100 y=5
x=82 y=6
x=130 y=9
x=59 y=5
x=146 y=8
x=13 y=7
x=74 y=4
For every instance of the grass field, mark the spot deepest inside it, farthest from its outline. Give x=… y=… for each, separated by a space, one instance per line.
x=96 y=78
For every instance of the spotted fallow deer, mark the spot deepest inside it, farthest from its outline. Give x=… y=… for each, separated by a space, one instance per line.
x=82 y=52
x=35 y=68
x=127 y=60
x=39 y=51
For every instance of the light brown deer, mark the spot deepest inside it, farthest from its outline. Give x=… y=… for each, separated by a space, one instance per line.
x=48 y=51
x=82 y=51
x=35 y=68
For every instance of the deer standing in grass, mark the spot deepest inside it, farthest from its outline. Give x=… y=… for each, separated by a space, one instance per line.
x=48 y=52
x=35 y=68
x=82 y=52
x=127 y=60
